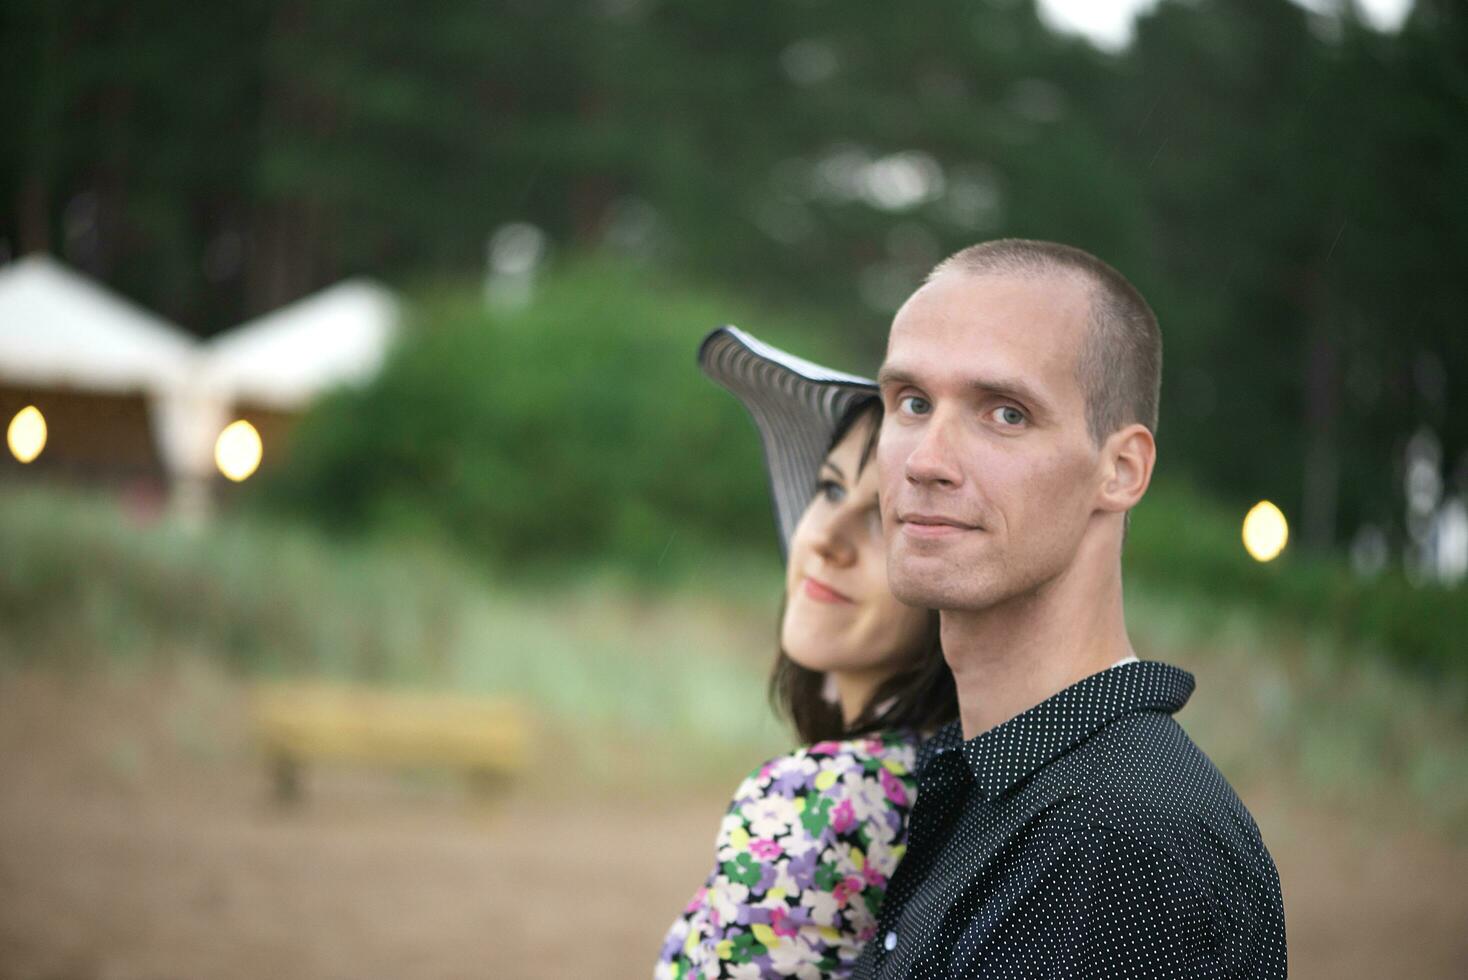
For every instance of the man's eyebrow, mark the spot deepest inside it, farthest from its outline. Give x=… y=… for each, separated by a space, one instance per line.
x=1009 y=388
x=1015 y=388
x=889 y=375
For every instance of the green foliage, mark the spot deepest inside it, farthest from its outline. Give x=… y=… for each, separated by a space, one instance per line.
x=1282 y=184
x=1182 y=542
x=575 y=429
x=83 y=586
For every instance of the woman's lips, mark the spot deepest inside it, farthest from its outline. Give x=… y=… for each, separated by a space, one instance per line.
x=821 y=592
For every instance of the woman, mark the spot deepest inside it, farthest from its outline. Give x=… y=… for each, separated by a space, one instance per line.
x=810 y=839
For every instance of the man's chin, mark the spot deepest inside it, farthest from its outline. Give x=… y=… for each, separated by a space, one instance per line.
x=926 y=584
x=941 y=581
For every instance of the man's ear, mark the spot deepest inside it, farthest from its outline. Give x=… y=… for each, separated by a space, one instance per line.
x=1127 y=458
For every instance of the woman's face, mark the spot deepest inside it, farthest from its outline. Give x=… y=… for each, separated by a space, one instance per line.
x=839 y=614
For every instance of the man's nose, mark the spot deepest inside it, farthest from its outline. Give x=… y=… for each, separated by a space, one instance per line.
x=932 y=460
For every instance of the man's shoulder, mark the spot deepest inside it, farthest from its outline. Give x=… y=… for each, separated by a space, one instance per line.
x=1143 y=779
x=1140 y=802
x=1144 y=776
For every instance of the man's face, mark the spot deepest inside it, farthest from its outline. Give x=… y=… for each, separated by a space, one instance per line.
x=988 y=474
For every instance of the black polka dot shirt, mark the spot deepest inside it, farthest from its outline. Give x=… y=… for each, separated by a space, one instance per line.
x=1086 y=837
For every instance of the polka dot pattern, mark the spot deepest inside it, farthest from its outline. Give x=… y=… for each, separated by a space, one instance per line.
x=1086 y=837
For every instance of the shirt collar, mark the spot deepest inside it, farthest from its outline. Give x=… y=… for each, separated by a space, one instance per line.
x=1008 y=753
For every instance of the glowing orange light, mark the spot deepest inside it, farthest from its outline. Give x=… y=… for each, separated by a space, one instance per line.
x=238 y=450
x=1266 y=532
x=27 y=434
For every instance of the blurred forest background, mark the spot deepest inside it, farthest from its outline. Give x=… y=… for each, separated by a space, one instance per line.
x=540 y=495
x=1286 y=187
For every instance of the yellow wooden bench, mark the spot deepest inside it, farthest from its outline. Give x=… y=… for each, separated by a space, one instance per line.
x=296 y=724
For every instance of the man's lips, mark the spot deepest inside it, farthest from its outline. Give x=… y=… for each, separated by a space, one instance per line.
x=821 y=592
x=932 y=525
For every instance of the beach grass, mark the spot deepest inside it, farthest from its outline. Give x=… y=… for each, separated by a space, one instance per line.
x=646 y=685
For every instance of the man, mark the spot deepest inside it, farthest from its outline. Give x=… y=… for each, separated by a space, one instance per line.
x=1065 y=826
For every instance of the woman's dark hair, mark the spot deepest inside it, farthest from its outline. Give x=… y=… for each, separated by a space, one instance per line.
x=920 y=696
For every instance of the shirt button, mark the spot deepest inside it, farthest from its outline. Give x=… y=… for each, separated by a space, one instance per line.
x=890 y=943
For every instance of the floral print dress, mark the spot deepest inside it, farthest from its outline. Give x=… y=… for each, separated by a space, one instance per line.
x=803 y=857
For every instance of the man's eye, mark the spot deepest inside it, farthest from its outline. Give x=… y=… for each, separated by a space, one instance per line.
x=1009 y=415
x=914 y=404
x=832 y=491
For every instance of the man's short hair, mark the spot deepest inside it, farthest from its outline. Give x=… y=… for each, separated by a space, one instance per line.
x=1120 y=365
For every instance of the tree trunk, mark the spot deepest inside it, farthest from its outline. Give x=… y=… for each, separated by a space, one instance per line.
x=1322 y=395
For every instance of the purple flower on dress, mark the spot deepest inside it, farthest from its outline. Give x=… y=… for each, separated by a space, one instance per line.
x=797 y=915
x=750 y=914
x=846 y=889
x=673 y=943
x=893 y=787
x=844 y=815
x=803 y=869
x=789 y=784
x=768 y=871
x=765 y=849
x=781 y=829
x=781 y=924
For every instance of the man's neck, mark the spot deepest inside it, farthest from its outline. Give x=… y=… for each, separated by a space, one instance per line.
x=1009 y=657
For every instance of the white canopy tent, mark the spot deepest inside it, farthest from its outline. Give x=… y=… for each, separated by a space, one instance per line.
x=286 y=358
x=59 y=329
x=280 y=361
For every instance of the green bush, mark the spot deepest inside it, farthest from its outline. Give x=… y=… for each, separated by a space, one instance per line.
x=1182 y=541
x=577 y=431
x=577 y=428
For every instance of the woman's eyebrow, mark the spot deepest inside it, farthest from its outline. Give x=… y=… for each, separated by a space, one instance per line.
x=828 y=463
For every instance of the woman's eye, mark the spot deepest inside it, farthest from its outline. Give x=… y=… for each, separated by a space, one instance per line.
x=832 y=491
x=1009 y=415
x=914 y=405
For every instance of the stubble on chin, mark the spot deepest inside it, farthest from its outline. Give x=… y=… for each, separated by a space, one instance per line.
x=931 y=583
x=949 y=582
